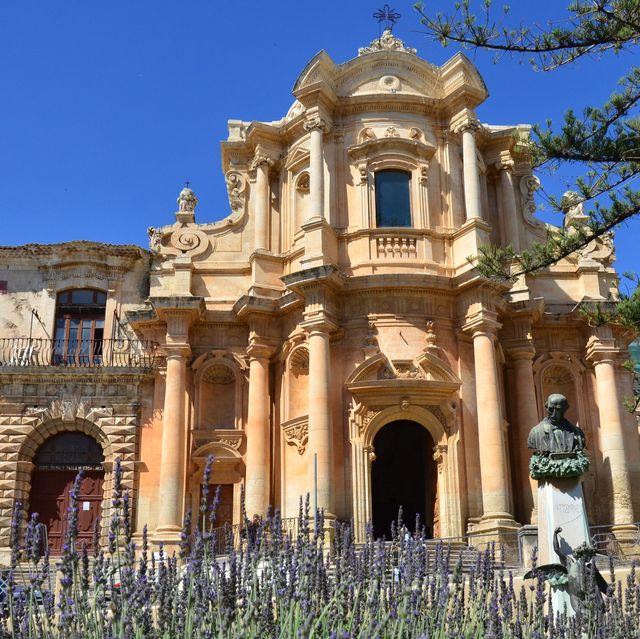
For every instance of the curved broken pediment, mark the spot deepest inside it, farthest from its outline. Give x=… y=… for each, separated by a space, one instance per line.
x=425 y=379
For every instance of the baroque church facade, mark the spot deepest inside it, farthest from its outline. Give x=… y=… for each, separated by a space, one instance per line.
x=328 y=337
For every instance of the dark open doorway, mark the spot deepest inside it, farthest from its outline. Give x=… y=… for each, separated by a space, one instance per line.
x=403 y=475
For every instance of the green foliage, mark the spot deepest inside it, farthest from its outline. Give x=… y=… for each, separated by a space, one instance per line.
x=544 y=466
x=605 y=140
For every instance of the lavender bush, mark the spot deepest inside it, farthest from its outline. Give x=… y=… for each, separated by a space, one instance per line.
x=274 y=585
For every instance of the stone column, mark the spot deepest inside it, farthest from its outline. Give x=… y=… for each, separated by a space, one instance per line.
x=258 y=432
x=603 y=353
x=509 y=210
x=171 y=484
x=526 y=409
x=494 y=478
x=261 y=163
x=470 y=170
x=316 y=126
x=320 y=423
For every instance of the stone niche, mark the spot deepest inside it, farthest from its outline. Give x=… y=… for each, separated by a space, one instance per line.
x=219 y=391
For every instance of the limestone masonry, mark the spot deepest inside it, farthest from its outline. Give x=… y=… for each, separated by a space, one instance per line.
x=331 y=316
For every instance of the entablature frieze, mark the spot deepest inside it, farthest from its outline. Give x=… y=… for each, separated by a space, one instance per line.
x=54 y=376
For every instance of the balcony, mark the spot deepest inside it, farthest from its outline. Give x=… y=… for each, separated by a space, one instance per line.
x=117 y=353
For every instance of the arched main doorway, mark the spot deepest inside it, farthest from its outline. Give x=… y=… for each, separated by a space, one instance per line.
x=57 y=463
x=403 y=474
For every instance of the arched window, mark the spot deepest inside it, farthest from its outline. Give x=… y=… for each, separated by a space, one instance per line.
x=79 y=327
x=71 y=451
x=393 y=207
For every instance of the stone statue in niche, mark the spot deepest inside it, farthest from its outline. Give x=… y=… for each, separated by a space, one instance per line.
x=558 y=445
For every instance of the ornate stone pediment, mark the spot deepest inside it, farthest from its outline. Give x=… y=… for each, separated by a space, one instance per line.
x=424 y=380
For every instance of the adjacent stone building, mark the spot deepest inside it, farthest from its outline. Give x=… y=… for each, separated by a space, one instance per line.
x=330 y=335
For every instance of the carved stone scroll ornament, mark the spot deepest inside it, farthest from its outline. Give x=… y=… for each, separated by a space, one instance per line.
x=189 y=241
x=236 y=186
x=529 y=184
x=297 y=434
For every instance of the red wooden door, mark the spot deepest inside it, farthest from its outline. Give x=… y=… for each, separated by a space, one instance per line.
x=50 y=498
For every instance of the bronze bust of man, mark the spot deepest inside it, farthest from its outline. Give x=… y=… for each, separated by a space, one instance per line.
x=555 y=434
x=557 y=443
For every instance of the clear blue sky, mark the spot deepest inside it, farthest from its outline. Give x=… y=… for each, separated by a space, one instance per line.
x=108 y=107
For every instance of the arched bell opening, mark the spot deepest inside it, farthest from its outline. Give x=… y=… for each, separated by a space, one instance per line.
x=403 y=476
x=56 y=463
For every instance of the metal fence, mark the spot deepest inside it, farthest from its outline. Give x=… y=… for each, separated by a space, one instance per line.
x=121 y=353
x=620 y=546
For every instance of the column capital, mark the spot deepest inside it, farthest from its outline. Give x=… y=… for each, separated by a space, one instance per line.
x=600 y=350
x=260 y=158
x=323 y=324
x=505 y=162
x=483 y=321
x=315 y=123
x=177 y=350
x=260 y=349
x=468 y=124
x=520 y=352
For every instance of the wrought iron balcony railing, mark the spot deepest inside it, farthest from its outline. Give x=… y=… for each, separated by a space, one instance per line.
x=122 y=353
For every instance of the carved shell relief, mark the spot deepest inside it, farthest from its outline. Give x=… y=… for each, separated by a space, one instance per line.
x=218 y=374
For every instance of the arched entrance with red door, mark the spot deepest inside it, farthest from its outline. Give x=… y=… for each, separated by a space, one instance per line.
x=57 y=462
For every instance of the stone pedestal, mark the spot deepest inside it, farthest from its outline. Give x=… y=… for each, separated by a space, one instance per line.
x=527 y=541
x=560 y=504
